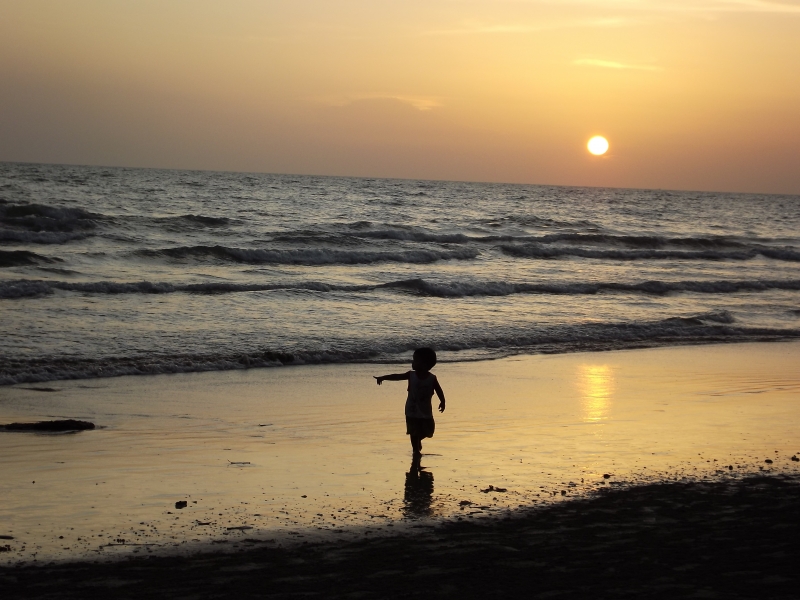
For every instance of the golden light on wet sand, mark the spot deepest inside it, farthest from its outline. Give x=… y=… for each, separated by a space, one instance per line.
x=597 y=386
x=598 y=145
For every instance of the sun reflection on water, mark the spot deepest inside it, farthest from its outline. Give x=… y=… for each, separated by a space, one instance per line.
x=596 y=384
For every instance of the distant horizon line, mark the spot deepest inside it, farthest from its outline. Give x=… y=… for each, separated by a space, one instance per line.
x=480 y=182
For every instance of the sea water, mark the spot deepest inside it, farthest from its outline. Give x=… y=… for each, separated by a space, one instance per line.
x=115 y=271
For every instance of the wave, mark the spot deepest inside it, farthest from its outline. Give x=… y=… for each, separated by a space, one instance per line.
x=717 y=316
x=190 y=222
x=633 y=241
x=39 y=237
x=316 y=238
x=43 y=218
x=539 y=251
x=27 y=288
x=309 y=256
x=31 y=288
x=714 y=327
x=203 y=220
x=362 y=230
x=402 y=235
x=502 y=288
x=18 y=258
x=643 y=241
x=529 y=220
x=417 y=235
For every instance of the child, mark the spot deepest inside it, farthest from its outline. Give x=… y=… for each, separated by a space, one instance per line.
x=421 y=385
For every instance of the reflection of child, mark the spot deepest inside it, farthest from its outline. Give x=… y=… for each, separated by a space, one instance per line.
x=418 y=495
x=421 y=386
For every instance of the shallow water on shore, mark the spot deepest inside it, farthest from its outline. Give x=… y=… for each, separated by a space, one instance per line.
x=302 y=452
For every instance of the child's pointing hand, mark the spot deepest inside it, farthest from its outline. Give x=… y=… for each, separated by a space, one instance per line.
x=378 y=380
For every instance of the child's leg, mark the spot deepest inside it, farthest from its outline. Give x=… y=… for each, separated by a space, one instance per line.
x=416 y=444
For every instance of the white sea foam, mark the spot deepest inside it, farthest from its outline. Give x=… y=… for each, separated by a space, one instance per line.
x=712 y=327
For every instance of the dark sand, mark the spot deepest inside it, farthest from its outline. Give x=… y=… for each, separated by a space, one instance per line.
x=728 y=538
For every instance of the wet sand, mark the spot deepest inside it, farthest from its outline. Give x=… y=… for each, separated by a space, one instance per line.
x=314 y=459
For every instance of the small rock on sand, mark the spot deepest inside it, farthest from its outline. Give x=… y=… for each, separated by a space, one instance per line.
x=181 y=504
x=64 y=425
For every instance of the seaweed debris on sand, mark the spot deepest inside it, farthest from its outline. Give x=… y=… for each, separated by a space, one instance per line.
x=728 y=538
x=63 y=425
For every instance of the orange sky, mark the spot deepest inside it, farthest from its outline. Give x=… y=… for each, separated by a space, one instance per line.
x=701 y=94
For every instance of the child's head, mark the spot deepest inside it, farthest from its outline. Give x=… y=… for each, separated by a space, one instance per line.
x=424 y=359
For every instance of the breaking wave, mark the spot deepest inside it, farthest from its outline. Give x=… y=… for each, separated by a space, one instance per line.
x=309 y=256
x=31 y=288
x=501 y=288
x=631 y=241
x=362 y=230
x=644 y=241
x=713 y=327
x=40 y=217
x=27 y=288
x=539 y=251
x=18 y=258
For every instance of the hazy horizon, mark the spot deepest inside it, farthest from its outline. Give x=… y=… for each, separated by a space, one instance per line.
x=692 y=95
x=421 y=179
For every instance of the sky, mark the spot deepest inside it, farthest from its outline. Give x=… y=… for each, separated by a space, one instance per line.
x=691 y=94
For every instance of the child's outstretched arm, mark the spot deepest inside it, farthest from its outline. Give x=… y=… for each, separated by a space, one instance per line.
x=393 y=377
x=438 y=389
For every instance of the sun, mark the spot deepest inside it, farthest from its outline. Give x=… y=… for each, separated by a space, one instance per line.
x=598 y=145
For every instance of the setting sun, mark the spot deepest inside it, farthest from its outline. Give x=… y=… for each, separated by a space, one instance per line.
x=598 y=145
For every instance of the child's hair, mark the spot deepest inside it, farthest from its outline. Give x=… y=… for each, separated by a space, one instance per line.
x=426 y=357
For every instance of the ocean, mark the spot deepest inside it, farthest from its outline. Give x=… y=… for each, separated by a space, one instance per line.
x=119 y=271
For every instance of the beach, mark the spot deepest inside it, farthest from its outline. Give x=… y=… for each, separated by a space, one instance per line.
x=286 y=457
x=726 y=539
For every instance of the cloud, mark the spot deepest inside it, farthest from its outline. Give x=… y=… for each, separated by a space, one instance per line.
x=762 y=6
x=421 y=103
x=610 y=64
x=685 y=6
x=628 y=7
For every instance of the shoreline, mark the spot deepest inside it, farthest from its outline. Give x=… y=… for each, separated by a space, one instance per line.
x=96 y=369
x=732 y=538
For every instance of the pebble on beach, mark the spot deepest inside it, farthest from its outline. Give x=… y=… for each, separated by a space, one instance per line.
x=61 y=425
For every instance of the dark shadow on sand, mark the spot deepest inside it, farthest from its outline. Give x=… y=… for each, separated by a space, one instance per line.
x=730 y=538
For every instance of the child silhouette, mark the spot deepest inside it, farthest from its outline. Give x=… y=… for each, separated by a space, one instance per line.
x=421 y=386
